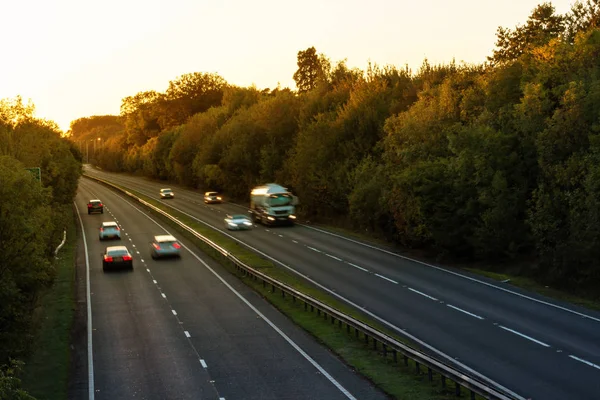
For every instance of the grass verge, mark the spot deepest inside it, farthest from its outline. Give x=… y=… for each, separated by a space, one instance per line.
x=46 y=371
x=398 y=379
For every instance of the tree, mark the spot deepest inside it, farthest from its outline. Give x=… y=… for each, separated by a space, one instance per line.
x=311 y=69
x=542 y=26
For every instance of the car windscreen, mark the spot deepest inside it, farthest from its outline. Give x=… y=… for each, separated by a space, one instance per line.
x=117 y=253
x=280 y=199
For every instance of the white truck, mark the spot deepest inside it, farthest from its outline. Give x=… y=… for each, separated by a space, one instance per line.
x=272 y=204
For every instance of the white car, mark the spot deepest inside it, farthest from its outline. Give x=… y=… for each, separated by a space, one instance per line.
x=166 y=194
x=238 y=222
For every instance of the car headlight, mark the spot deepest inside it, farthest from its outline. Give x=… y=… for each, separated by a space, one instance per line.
x=248 y=223
x=231 y=224
x=270 y=218
x=218 y=198
x=292 y=217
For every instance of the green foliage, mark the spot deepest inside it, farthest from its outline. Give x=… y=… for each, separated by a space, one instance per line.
x=10 y=384
x=484 y=162
x=311 y=70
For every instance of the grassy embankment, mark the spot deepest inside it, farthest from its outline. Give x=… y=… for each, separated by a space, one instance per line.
x=46 y=371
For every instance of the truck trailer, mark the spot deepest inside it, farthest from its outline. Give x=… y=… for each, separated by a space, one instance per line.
x=273 y=204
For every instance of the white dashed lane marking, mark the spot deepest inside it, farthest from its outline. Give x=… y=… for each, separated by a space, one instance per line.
x=154 y=280
x=163 y=295
x=313 y=249
x=524 y=336
x=174 y=312
x=294 y=241
x=357 y=266
x=386 y=278
x=463 y=311
x=585 y=362
x=187 y=334
x=422 y=294
x=203 y=363
x=334 y=257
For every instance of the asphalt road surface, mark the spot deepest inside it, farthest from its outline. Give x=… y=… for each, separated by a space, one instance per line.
x=534 y=346
x=186 y=329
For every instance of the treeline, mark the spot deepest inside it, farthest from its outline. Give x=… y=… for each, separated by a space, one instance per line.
x=33 y=215
x=481 y=162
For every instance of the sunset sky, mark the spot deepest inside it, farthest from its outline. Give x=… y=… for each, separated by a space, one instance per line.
x=77 y=58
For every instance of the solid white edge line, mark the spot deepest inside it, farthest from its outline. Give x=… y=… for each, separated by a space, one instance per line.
x=386 y=278
x=463 y=311
x=450 y=359
x=423 y=294
x=591 y=364
x=457 y=274
x=525 y=336
x=334 y=257
x=203 y=363
x=357 y=266
x=187 y=333
x=90 y=352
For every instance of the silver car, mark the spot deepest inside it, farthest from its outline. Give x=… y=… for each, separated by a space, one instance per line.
x=165 y=246
x=167 y=194
x=110 y=230
x=238 y=222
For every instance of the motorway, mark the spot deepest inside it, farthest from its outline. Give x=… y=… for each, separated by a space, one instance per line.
x=534 y=346
x=187 y=329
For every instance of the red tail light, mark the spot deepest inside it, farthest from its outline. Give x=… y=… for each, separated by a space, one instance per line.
x=89 y=205
x=157 y=247
x=118 y=228
x=101 y=229
x=126 y=258
x=108 y=258
x=176 y=245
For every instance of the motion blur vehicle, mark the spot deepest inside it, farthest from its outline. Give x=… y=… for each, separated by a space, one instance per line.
x=212 y=198
x=94 y=206
x=164 y=246
x=272 y=204
x=238 y=222
x=166 y=194
x=115 y=257
x=110 y=230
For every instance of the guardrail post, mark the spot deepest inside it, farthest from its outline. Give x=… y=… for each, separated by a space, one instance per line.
x=395 y=355
x=418 y=368
x=264 y=283
x=430 y=374
x=384 y=350
x=457 y=389
x=339 y=323
x=472 y=395
x=312 y=308
x=318 y=311
x=374 y=344
x=293 y=299
x=356 y=332
x=324 y=315
x=282 y=294
x=272 y=288
x=332 y=320
x=444 y=381
x=405 y=360
x=366 y=338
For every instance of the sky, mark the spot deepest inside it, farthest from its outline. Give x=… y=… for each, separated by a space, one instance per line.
x=78 y=58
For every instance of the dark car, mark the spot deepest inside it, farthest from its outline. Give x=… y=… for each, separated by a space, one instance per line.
x=165 y=246
x=110 y=230
x=95 y=205
x=117 y=257
x=212 y=198
x=167 y=194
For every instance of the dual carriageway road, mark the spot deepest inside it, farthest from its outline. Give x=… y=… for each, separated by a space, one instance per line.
x=536 y=347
